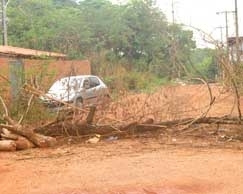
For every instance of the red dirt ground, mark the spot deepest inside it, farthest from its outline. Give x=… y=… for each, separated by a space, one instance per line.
x=174 y=102
x=142 y=165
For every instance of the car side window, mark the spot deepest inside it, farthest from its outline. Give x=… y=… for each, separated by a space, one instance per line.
x=86 y=84
x=74 y=84
x=94 y=82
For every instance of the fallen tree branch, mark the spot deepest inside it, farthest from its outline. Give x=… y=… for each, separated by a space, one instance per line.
x=38 y=93
x=4 y=106
x=37 y=139
x=7 y=145
x=91 y=114
x=224 y=62
x=27 y=110
x=206 y=120
x=204 y=114
x=81 y=127
x=5 y=78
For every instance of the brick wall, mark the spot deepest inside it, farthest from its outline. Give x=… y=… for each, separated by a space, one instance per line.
x=45 y=71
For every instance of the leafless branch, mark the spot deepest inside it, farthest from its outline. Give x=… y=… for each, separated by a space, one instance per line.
x=27 y=110
x=4 y=106
x=38 y=93
x=5 y=78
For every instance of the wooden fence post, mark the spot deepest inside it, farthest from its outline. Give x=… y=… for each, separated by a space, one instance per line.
x=16 y=75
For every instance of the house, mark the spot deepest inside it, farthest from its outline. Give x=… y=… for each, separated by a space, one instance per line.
x=28 y=53
x=18 y=65
x=231 y=41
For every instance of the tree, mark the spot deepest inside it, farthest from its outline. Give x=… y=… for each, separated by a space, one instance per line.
x=180 y=48
x=141 y=35
x=204 y=62
x=135 y=34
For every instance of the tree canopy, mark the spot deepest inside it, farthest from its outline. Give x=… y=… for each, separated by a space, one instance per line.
x=136 y=34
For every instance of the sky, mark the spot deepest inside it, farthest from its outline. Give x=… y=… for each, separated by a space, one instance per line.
x=202 y=14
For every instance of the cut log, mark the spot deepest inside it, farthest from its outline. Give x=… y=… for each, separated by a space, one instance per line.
x=37 y=139
x=82 y=127
x=9 y=136
x=129 y=126
x=22 y=143
x=205 y=120
x=45 y=141
x=6 y=134
x=7 y=145
x=91 y=114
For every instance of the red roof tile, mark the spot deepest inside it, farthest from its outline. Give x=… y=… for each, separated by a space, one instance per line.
x=17 y=51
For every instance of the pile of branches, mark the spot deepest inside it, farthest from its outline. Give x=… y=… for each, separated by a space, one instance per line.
x=74 y=126
x=83 y=122
x=15 y=136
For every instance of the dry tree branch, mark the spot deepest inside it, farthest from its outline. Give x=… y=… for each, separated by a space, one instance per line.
x=33 y=82
x=204 y=114
x=37 y=92
x=212 y=98
x=10 y=127
x=27 y=110
x=108 y=126
x=237 y=98
x=91 y=114
x=223 y=61
x=5 y=78
x=233 y=107
x=142 y=108
x=4 y=106
x=234 y=85
x=206 y=36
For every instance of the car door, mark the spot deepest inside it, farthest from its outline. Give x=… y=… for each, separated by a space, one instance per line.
x=92 y=90
x=88 y=93
x=95 y=87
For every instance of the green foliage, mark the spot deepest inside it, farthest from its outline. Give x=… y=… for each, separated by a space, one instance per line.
x=135 y=34
x=204 y=63
x=39 y=75
x=37 y=112
x=138 y=81
x=134 y=81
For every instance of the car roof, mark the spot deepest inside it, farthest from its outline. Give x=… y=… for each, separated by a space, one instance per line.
x=78 y=76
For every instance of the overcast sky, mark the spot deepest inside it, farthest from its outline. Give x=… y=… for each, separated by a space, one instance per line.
x=202 y=14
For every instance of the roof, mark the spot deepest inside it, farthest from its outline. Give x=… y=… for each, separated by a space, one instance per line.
x=232 y=40
x=27 y=53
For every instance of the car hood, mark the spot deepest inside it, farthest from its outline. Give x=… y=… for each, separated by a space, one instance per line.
x=62 y=95
x=59 y=95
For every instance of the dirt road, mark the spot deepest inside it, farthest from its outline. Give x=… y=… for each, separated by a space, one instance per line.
x=144 y=166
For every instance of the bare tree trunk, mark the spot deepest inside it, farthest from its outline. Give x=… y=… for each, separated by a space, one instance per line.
x=36 y=139
x=7 y=145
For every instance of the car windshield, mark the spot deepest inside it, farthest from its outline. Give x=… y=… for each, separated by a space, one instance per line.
x=67 y=83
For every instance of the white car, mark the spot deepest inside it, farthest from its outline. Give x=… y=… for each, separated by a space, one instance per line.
x=80 y=90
